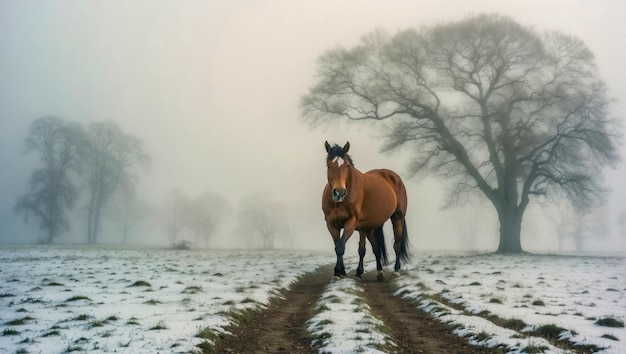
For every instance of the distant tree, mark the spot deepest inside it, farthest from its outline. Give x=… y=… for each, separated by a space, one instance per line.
x=112 y=159
x=621 y=223
x=496 y=108
x=578 y=224
x=560 y=215
x=264 y=217
x=53 y=191
x=127 y=211
x=204 y=214
x=589 y=224
x=174 y=215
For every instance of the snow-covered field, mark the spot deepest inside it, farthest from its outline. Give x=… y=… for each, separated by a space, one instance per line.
x=62 y=299
x=512 y=300
x=55 y=300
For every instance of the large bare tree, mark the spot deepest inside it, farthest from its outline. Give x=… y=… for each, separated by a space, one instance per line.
x=497 y=108
x=112 y=159
x=53 y=191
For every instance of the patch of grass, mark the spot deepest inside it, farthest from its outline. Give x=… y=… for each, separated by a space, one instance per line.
x=101 y=323
x=610 y=322
x=333 y=299
x=240 y=289
x=323 y=323
x=140 y=283
x=19 y=321
x=133 y=321
x=475 y=283
x=54 y=283
x=6 y=295
x=158 y=326
x=77 y=298
x=482 y=336
x=318 y=339
x=71 y=348
x=321 y=308
x=194 y=289
x=248 y=300
x=10 y=332
x=611 y=337
x=81 y=318
x=494 y=300
x=514 y=324
x=539 y=303
x=533 y=349
x=550 y=332
x=52 y=333
x=153 y=302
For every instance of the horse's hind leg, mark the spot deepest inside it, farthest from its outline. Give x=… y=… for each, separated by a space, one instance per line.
x=377 y=240
x=400 y=244
x=359 y=269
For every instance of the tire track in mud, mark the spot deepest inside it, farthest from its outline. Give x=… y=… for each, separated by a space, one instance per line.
x=412 y=329
x=281 y=327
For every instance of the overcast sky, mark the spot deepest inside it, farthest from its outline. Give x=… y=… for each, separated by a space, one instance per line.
x=212 y=88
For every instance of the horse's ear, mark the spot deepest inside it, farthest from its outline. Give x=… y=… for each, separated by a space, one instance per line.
x=346 y=147
x=327 y=147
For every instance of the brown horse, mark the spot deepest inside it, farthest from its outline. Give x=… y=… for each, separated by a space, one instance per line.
x=353 y=200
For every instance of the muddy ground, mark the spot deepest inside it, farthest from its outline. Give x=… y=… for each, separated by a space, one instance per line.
x=281 y=328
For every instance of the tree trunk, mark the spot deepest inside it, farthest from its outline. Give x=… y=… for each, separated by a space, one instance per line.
x=96 y=224
x=510 y=230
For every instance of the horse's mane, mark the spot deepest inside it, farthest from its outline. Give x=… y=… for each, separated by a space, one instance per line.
x=337 y=151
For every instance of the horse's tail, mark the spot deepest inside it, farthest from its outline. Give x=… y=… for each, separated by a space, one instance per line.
x=403 y=253
x=382 y=249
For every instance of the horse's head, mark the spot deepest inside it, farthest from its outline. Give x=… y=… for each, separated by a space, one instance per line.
x=338 y=163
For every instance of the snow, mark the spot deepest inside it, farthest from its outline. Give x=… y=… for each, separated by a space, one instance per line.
x=344 y=323
x=82 y=298
x=571 y=292
x=57 y=299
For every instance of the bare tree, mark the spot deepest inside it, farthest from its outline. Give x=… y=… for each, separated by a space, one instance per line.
x=264 y=217
x=174 y=215
x=621 y=223
x=498 y=109
x=112 y=159
x=127 y=211
x=204 y=215
x=52 y=190
x=561 y=215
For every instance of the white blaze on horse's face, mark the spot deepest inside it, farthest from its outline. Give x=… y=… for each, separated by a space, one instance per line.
x=338 y=178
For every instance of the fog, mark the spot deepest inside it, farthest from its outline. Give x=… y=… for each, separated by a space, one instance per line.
x=212 y=88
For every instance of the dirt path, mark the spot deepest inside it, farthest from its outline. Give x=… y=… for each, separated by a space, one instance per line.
x=281 y=328
x=413 y=330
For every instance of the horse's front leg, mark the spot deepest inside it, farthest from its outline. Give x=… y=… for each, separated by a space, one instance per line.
x=340 y=244
x=340 y=249
x=359 y=269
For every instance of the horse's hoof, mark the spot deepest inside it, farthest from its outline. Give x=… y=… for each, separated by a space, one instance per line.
x=380 y=276
x=358 y=276
x=336 y=278
x=395 y=274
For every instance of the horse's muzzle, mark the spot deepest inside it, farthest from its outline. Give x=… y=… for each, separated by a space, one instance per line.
x=339 y=195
